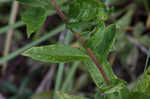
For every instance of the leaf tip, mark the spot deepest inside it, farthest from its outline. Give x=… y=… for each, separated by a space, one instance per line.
x=24 y=54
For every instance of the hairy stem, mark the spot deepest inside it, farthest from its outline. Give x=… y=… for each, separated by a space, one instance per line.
x=89 y=51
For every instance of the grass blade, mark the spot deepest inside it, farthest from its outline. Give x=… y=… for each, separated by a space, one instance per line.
x=9 y=27
x=19 y=51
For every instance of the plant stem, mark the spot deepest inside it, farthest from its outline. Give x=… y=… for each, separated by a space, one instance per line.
x=89 y=51
x=8 y=41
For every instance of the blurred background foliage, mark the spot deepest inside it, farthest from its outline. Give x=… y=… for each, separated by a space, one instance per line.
x=25 y=77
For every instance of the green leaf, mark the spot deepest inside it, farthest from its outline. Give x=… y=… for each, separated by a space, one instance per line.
x=102 y=41
x=67 y=96
x=98 y=96
x=115 y=88
x=56 y=53
x=138 y=95
x=95 y=39
x=116 y=85
x=83 y=15
x=86 y=10
x=143 y=84
x=110 y=96
x=34 y=18
x=119 y=91
x=42 y=95
x=125 y=20
x=107 y=41
x=97 y=76
x=95 y=73
x=33 y=43
x=124 y=93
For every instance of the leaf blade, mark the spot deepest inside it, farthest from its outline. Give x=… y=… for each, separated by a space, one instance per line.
x=67 y=96
x=34 y=18
x=56 y=53
x=143 y=84
x=107 y=41
x=42 y=95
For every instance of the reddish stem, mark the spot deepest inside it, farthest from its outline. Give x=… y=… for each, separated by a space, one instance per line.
x=93 y=57
x=89 y=51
